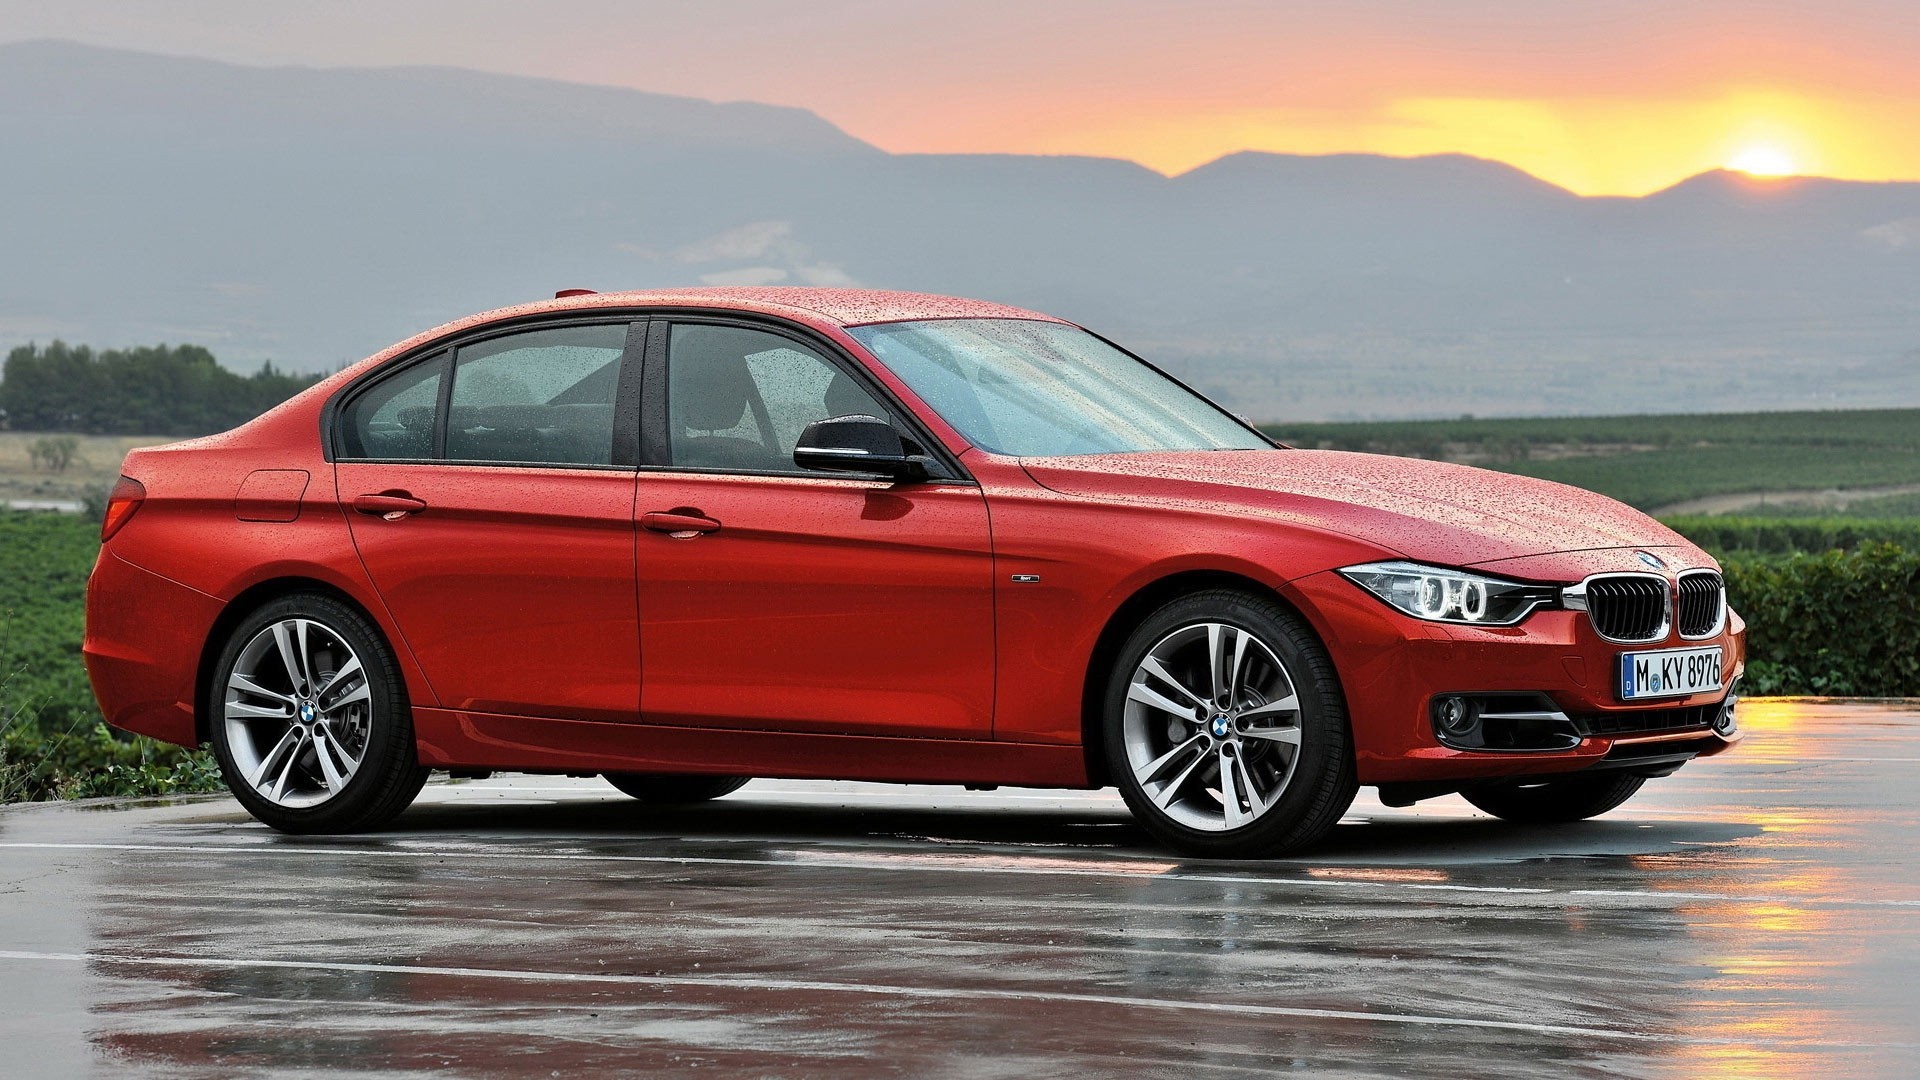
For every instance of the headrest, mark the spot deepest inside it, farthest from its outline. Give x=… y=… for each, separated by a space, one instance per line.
x=846 y=398
x=710 y=388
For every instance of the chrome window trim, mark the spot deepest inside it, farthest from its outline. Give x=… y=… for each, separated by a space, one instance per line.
x=1720 y=624
x=1574 y=598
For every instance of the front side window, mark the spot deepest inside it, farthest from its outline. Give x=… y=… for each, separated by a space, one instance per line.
x=541 y=397
x=739 y=398
x=1027 y=388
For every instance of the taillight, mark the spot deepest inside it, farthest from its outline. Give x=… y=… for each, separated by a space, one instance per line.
x=122 y=501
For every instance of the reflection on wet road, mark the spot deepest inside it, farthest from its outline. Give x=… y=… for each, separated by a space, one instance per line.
x=1757 y=914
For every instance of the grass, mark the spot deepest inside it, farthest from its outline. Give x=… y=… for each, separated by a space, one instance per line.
x=1654 y=462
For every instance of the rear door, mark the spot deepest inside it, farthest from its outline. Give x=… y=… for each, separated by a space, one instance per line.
x=490 y=490
x=776 y=598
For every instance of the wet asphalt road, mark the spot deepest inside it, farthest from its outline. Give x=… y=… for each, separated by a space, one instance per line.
x=1755 y=915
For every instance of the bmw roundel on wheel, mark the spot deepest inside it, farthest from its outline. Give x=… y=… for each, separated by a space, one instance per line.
x=686 y=538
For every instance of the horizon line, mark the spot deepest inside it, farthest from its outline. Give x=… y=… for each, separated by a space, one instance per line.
x=1756 y=180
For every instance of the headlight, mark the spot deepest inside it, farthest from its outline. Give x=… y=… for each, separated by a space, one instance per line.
x=1437 y=594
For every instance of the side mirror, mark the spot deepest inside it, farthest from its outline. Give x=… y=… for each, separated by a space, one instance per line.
x=858 y=444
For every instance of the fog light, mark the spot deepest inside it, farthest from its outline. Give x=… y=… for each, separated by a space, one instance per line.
x=1724 y=722
x=1454 y=715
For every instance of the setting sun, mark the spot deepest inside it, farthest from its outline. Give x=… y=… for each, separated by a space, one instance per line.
x=1762 y=160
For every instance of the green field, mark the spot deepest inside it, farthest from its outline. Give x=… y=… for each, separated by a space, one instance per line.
x=1811 y=537
x=1791 y=464
x=52 y=740
x=1783 y=464
x=1886 y=508
x=44 y=560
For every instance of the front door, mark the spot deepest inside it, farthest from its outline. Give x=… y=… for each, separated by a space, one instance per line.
x=780 y=599
x=488 y=509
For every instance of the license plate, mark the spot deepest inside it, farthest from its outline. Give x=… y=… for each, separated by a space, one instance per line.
x=1669 y=673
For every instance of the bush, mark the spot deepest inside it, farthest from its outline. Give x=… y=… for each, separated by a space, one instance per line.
x=1844 y=623
x=1785 y=536
x=92 y=760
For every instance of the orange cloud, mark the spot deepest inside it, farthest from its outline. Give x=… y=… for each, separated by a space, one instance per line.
x=1591 y=145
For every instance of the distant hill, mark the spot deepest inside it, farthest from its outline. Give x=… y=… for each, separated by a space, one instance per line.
x=313 y=216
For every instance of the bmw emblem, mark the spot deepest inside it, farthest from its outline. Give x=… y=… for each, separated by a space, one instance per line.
x=1220 y=726
x=306 y=712
x=1651 y=561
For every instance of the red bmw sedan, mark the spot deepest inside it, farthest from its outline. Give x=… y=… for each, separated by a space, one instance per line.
x=684 y=538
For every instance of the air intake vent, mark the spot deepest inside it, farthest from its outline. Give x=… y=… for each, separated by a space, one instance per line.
x=1647 y=721
x=1703 y=604
x=1628 y=608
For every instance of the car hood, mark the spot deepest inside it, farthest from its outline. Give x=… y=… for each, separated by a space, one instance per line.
x=1430 y=511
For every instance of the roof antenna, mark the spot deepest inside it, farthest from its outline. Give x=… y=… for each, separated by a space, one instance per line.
x=564 y=293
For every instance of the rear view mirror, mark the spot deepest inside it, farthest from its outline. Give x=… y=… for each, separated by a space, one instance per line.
x=858 y=444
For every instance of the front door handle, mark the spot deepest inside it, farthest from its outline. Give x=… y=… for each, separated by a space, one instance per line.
x=391 y=505
x=678 y=523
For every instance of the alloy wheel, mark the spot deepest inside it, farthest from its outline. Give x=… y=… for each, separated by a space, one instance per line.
x=1212 y=726
x=297 y=710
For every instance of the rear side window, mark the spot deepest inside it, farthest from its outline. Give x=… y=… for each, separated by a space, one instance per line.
x=540 y=397
x=393 y=421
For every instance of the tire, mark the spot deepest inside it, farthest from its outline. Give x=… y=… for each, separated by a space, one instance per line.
x=1547 y=802
x=664 y=789
x=328 y=749
x=1161 y=748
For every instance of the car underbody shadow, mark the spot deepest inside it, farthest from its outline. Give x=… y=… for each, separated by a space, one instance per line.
x=1367 y=837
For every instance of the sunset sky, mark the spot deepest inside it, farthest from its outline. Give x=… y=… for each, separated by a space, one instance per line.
x=1601 y=97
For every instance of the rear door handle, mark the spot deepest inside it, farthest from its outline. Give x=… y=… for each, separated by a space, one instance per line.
x=678 y=523
x=392 y=505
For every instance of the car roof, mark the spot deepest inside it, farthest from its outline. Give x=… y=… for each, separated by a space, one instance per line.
x=819 y=307
x=845 y=307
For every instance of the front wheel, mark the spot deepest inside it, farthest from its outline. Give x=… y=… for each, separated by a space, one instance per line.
x=1545 y=802
x=311 y=722
x=664 y=788
x=1225 y=729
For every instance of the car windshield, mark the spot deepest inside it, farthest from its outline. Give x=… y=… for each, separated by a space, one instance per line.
x=1041 y=389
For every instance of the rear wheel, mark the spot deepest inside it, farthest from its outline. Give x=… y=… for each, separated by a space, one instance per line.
x=311 y=722
x=664 y=788
x=1225 y=729
x=1540 y=802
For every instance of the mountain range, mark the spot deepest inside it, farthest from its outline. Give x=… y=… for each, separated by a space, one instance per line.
x=312 y=216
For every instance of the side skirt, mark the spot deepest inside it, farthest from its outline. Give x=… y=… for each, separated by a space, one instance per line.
x=453 y=738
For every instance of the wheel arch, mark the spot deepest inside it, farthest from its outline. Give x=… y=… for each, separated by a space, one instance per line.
x=1131 y=612
x=246 y=602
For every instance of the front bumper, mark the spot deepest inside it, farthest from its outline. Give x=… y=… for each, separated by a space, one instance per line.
x=1392 y=666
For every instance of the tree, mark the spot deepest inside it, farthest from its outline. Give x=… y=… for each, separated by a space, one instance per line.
x=152 y=390
x=53 y=453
